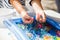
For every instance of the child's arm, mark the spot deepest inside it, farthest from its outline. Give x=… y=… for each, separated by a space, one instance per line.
x=36 y=4
x=17 y=5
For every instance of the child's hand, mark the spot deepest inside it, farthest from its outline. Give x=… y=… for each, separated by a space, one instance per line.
x=26 y=18
x=41 y=17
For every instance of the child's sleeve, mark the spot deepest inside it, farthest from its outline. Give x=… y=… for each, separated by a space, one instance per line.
x=1 y=6
x=6 y=4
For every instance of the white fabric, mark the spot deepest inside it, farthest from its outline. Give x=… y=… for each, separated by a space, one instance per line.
x=6 y=4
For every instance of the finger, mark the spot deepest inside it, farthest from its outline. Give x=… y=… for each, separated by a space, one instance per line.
x=37 y=17
x=28 y=21
x=43 y=17
x=27 y=17
x=40 y=18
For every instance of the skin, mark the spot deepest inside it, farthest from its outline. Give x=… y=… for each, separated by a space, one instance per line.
x=36 y=6
x=40 y=15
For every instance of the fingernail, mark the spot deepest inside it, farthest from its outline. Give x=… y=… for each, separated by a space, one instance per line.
x=40 y=20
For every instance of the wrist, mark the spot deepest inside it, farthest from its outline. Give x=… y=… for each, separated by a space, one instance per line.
x=35 y=1
x=23 y=13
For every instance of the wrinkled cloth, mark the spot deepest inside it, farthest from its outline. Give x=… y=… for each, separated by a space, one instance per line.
x=49 y=4
x=58 y=5
x=6 y=4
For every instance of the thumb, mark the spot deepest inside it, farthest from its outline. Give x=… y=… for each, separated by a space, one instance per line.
x=28 y=17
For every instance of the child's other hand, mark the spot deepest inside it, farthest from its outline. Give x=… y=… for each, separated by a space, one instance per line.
x=26 y=18
x=41 y=17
